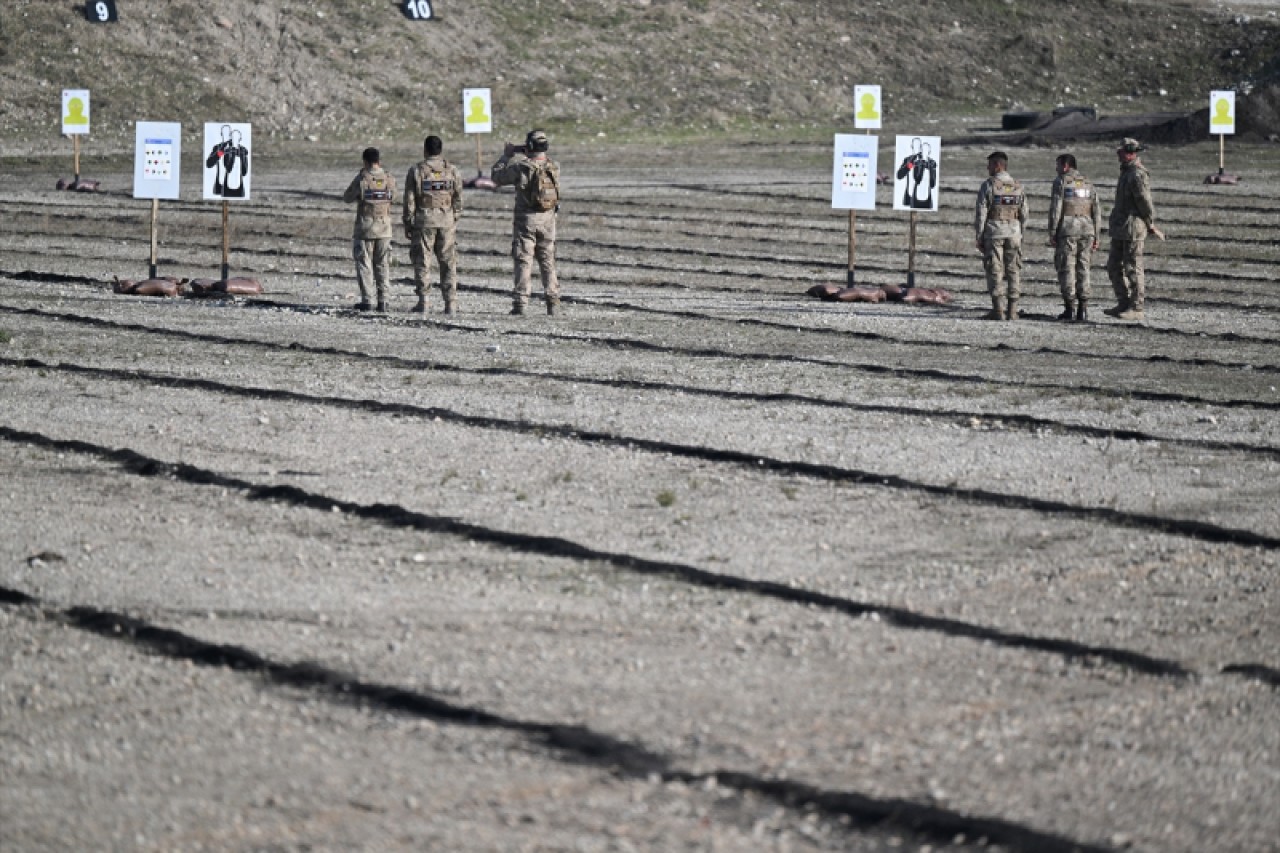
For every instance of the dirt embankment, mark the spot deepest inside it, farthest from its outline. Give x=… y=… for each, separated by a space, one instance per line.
x=343 y=69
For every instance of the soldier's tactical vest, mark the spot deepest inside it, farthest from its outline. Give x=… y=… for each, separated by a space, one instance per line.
x=436 y=186
x=1006 y=198
x=375 y=197
x=1077 y=196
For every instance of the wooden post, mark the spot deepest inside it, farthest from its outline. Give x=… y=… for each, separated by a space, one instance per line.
x=76 y=139
x=226 y=240
x=155 y=212
x=853 y=244
x=479 y=162
x=1222 y=153
x=911 y=251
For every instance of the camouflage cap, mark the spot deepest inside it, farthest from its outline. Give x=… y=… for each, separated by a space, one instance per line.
x=1131 y=146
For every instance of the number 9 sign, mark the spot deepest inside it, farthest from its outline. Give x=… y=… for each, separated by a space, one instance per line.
x=418 y=10
x=100 y=11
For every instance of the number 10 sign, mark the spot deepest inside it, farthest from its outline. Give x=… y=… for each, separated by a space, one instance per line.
x=418 y=10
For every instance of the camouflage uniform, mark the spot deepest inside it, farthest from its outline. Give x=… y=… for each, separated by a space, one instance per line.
x=1131 y=218
x=533 y=231
x=999 y=216
x=373 y=190
x=432 y=205
x=1075 y=221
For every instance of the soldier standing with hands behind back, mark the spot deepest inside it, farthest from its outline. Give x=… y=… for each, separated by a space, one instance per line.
x=998 y=220
x=1131 y=218
x=432 y=205
x=373 y=190
x=1075 y=221
x=536 y=178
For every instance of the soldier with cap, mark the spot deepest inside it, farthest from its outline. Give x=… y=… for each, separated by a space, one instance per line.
x=432 y=205
x=999 y=217
x=1132 y=218
x=536 y=178
x=1075 y=221
x=373 y=190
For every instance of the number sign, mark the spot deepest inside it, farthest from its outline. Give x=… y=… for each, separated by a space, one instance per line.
x=100 y=11
x=418 y=10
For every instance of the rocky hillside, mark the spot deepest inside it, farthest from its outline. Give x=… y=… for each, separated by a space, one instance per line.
x=353 y=70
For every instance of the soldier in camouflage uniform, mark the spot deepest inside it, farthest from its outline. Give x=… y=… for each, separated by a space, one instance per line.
x=536 y=178
x=432 y=205
x=1132 y=217
x=999 y=217
x=1075 y=221
x=373 y=190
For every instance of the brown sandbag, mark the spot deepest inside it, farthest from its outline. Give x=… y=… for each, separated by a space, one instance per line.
x=235 y=286
x=824 y=291
x=860 y=294
x=928 y=295
x=81 y=185
x=1223 y=179
x=148 y=287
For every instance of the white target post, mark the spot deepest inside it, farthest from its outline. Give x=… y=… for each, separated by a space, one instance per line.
x=853 y=184
x=916 y=183
x=75 y=121
x=867 y=112
x=157 y=159
x=227 y=174
x=1222 y=121
x=477 y=118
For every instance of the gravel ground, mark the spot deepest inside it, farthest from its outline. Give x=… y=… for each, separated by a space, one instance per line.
x=699 y=564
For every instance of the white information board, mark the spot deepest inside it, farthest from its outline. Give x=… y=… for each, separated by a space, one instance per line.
x=477 y=111
x=853 y=174
x=75 y=111
x=917 y=178
x=866 y=107
x=1222 y=112
x=156 y=159
x=227 y=148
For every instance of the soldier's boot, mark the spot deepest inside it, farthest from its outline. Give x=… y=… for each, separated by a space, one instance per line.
x=450 y=307
x=1082 y=312
x=553 y=305
x=997 y=308
x=1133 y=315
x=1117 y=309
x=517 y=309
x=365 y=303
x=1012 y=314
x=420 y=307
x=1068 y=313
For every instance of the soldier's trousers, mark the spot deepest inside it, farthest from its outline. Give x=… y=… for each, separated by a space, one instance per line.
x=373 y=266
x=1071 y=259
x=1003 y=263
x=440 y=243
x=533 y=237
x=1128 y=279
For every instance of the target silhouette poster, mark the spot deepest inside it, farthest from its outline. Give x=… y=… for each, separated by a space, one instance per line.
x=866 y=107
x=477 y=111
x=227 y=152
x=917 y=173
x=75 y=112
x=1222 y=111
